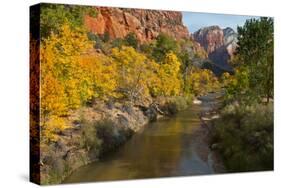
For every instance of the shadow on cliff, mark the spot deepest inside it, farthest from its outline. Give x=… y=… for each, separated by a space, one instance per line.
x=219 y=59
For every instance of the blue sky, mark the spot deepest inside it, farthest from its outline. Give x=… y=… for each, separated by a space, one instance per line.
x=195 y=21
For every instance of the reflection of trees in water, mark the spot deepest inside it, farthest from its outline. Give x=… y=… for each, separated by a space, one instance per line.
x=161 y=146
x=160 y=150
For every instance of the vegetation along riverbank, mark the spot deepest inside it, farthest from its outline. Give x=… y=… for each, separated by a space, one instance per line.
x=107 y=72
x=244 y=132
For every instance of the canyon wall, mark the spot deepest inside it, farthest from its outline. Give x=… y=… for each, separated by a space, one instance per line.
x=146 y=24
x=220 y=44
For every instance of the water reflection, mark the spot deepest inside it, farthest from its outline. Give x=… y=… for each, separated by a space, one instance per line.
x=164 y=148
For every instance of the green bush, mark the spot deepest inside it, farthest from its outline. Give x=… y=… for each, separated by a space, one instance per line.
x=131 y=40
x=53 y=16
x=147 y=48
x=128 y=40
x=103 y=136
x=245 y=134
x=117 y=43
x=111 y=135
x=177 y=103
x=164 y=44
x=98 y=43
x=89 y=139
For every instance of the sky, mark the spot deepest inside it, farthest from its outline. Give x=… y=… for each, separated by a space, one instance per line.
x=195 y=21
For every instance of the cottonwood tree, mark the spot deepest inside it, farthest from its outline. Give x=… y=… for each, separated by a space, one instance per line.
x=255 y=52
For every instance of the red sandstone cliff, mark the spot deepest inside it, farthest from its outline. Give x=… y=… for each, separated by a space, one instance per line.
x=146 y=24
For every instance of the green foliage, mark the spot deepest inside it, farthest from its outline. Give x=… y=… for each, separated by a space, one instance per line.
x=237 y=86
x=117 y=43
x=53 y=16
x=97 y=41
x=131 y=40
x=244 y=134
x=104 y=43
x=89 y=139
x=164 y=44
x=255 y=53
x=105 y=37
x=177 y=103
x=185 y=60
x=147 y=48
x=111 y=135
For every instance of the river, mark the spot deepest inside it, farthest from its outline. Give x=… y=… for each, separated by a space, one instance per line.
x=168 y=147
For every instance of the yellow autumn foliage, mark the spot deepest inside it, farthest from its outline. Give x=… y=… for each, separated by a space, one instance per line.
x=53 y=99
x=59 y=59
x=167 y=81
x=73 y=74
x=99 y=77
x=201 y=81
x=51 y=126
x=236 y=84
x=133 y=70
x=70 y=76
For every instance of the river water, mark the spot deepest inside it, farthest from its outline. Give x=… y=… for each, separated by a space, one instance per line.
x=169 y=147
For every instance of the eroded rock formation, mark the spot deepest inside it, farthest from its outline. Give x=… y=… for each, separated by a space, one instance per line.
x=220 y=44
x=146 y=24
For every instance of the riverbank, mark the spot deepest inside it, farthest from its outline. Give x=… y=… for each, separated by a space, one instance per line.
x=99 y=129
x=243 y=135
x=169 y=147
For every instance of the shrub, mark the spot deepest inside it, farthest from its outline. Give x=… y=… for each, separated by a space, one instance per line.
x=147 y=48
x=89 y=139
x=117 y=43
x=103 y=136
x=131 y=40
x=97 y=42
x=245 y=134
x=164 y=44
x=111 y=135
x=177 y=103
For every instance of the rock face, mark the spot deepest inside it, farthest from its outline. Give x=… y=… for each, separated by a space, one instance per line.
x=211 y=38
x=230 y=40
x=122 y=120
x=220 y=45
x=146 y=24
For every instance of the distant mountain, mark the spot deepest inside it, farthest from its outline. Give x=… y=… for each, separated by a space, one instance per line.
x=230 y=40
x=220 y=45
